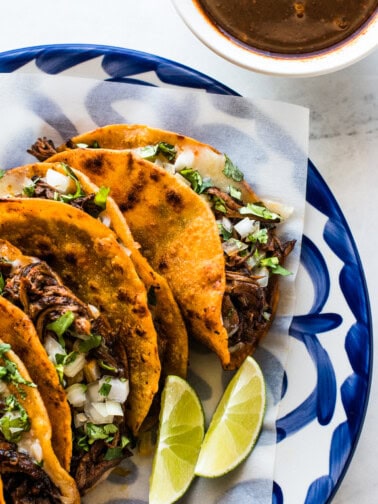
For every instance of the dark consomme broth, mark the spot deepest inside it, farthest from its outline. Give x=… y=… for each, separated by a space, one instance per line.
x=288 y=26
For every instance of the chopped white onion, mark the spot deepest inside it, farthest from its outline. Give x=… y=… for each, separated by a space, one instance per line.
x=62 y=183
x=93 y=394
x=95 y=416
x=113 y=408
x=262 y=275
x=227 y=224
x=232 y=247
x=80 y=419
x=245 y=227
x=284 y=211
x=94 y=310
x=30 y=445
x=76 y=394
x=75 y=366
x=119 y=389
x=105 y=219
x=184 y=160
x=53 y=347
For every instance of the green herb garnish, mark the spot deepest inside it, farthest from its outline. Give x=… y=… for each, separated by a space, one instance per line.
x=198 y=184
x=93 y=341
x=101 y=197
x=223 y=231
x=150 y=152
x=261 y=236
x=61 y=324
x=234 y=192
x=8 y=371
x=15 y=420
x=79 y=191
x=260 y=211
x=274 y=265
x=105 y=388
x=231 y=170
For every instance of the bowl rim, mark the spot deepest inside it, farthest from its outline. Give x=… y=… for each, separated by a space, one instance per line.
x=354 y=48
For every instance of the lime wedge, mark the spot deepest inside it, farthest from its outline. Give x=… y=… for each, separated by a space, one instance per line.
x=181 y=430
x=236 y=423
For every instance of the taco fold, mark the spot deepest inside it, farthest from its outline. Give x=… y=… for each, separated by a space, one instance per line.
x=58 y=181
x=224 y=273
x=91 y=262
x=29 y=468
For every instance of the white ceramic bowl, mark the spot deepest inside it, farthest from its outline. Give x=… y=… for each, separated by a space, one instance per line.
x=351 y=50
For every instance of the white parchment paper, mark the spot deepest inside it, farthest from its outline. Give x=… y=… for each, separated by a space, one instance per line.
x=269 y=143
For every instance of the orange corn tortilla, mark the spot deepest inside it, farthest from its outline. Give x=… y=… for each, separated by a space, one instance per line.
x=204 y=158
x=168 y=321
x=90 y=260
x=31 y=400
x=177 y=232
x=17 y=330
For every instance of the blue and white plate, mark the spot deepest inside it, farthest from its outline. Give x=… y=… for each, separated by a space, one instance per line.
x=328 y=371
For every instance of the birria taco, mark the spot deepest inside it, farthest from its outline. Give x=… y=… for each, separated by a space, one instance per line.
x=91 y=364
x=199 y=224
x=58 y=181
x=92 y=263
x=29 y=468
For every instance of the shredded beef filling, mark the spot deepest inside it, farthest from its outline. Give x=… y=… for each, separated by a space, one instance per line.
x=86 y=203
x=247 y=306
x=24 y=481
x=42 y=296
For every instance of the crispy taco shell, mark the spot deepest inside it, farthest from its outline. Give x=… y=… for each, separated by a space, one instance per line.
x=177 y=232
x=91 y=261
x=29 y=398
x=248 y=306
x=17 y=330
x=168 y=321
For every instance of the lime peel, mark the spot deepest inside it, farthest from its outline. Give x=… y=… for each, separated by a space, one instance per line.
x=181 y=431
x=236 y=423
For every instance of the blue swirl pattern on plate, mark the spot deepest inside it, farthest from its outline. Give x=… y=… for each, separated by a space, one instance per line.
x=124 y=65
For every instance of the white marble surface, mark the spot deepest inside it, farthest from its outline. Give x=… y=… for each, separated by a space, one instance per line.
x=343 y=141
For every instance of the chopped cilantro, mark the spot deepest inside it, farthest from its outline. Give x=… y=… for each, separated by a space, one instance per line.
x=79 y=190
x=231 y=170
x=2 y=282
x=219 y=204
x=101 y=197
x=61 y=324
x=2 y=173
x=261 y=236
x=150 y=152
x=198 y=184
x=260 y=211
x=113 y=453
x=234 y=192
x=9 y=372
x=223 y=231
x=105 y=388
x=29 y=190
x=105 y=432
x=65 y=359
x=274 y=265
x=93 y=341
x=15 y=420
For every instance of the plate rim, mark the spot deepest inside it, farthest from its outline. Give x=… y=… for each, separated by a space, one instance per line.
x=101 y=50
